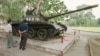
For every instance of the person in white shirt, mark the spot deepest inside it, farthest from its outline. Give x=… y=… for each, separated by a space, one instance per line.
x=8 y=30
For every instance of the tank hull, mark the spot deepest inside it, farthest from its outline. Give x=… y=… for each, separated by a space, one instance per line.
x=41 y=30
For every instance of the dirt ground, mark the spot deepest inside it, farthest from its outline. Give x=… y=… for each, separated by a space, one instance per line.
x=95 y=47
x=1 y=54
x=98 y=40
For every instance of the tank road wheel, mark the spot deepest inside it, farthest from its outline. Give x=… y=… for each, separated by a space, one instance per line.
x=42 y=34
x=50 y=32
x=31 y=33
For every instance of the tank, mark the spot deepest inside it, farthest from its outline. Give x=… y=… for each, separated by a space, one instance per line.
x=41 y=28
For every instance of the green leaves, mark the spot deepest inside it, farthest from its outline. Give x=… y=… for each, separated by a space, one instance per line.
x=98 y=21
x=14 y=8
x=82 y=18
x=53 y=7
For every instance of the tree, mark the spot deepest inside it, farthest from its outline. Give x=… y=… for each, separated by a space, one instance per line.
x=98 y=21
x=53 y=7
x=14 y=8
x=84 y=18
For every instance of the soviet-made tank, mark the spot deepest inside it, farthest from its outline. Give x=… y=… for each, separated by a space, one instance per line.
x=41 y=28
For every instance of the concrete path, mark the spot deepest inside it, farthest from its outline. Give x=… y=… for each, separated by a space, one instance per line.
x=80 y=48
x=17 y=52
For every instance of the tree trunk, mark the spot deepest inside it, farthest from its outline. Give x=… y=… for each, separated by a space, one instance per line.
x=38 y=7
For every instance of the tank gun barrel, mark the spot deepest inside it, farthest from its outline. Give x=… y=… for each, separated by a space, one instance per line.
x=89 y=7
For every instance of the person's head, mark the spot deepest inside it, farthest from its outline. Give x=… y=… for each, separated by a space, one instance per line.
x=37 y=19
x=10 y=21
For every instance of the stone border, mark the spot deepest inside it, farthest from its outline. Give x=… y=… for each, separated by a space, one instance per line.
x=69 y=46
x=49 y=50
x=90 y=48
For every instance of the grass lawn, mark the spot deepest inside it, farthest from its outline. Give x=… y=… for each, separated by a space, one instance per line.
x=93 y=29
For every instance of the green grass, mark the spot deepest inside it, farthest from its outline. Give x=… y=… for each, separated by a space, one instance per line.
x=92 y=29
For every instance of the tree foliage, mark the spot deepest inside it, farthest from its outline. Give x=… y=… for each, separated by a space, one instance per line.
x=98 y=21
x=14 y=8
x=82 y=18
x=53 y=7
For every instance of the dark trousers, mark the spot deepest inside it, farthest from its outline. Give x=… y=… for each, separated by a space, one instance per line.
x=23 y=41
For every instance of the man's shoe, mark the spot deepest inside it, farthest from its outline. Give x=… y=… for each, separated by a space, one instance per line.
x=14 y=46
x=8 y=47
x=20 y=48
x=23 y=49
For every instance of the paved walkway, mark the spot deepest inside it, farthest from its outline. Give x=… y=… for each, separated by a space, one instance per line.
x=80 y=48
x=17 y=52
